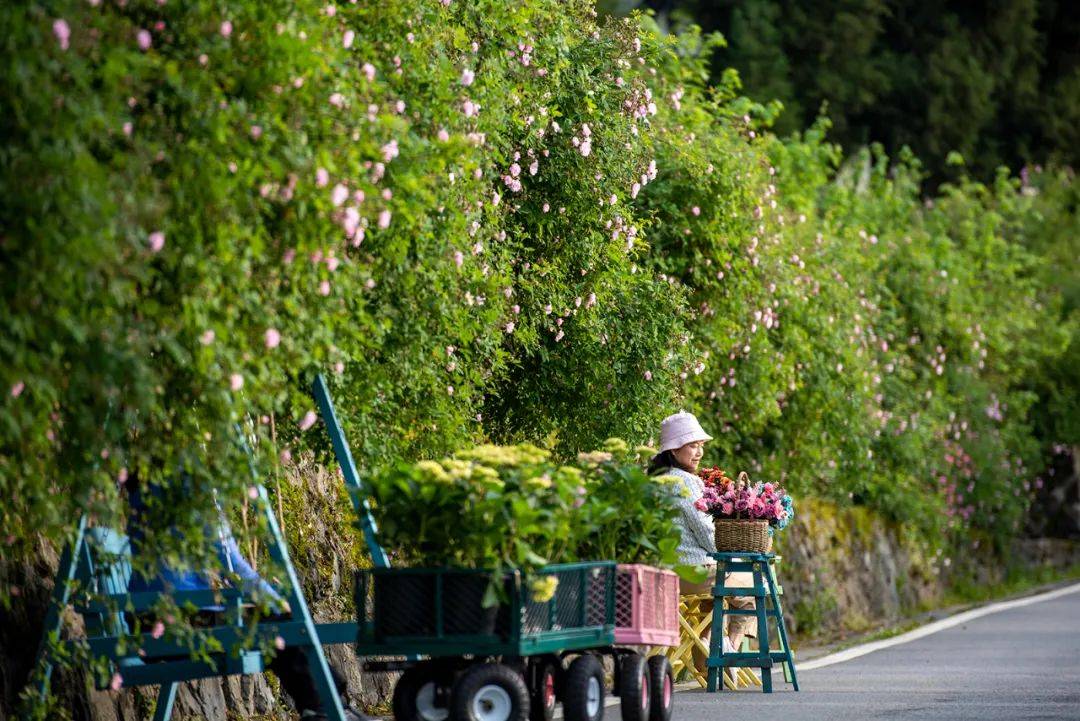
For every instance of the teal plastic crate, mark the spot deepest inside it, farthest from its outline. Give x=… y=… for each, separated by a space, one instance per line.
x=439 y=612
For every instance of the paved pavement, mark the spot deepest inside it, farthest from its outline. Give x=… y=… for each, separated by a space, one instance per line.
x=1021 y=663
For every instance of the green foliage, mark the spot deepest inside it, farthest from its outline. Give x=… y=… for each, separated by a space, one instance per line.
x=488 y=507
x=579 y=235
x=513 y=506
x=507 y=222
x=627 y=515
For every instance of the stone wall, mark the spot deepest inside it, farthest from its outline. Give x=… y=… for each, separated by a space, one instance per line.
x=846 y=570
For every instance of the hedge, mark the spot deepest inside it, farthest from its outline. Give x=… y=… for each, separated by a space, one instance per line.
x=513 y=222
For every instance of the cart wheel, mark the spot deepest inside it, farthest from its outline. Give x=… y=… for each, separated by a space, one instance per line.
x=543 y=696
x=583 y=690
x=489 y=692
x=661 y=687
x=415 y=694
x=634 y=687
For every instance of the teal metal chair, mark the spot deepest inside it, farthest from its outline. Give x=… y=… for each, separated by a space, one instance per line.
x=93 y=579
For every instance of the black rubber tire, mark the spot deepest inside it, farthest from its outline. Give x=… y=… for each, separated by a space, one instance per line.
x=661 y=687
x=473 y=681
x=544 y=670
x=576 y=689
x=635 y=691
x=408 y=687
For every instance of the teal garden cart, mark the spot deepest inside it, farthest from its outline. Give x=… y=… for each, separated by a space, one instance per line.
x=508 y=662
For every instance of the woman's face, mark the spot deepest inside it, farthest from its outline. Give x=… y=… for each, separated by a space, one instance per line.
x=689 y=456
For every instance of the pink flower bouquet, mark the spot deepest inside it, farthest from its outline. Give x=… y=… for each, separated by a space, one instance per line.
x=743 y=500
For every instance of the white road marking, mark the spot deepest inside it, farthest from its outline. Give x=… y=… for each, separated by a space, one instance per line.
x=930 y=628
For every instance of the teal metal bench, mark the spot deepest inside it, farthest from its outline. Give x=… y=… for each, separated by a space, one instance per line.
x=98 y=562
x=97 y=566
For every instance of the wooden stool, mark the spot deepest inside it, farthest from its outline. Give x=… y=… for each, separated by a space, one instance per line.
x=767 y=605
x=695 y=620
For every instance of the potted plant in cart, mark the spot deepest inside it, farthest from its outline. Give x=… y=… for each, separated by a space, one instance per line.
x=500 y=516
x=491 y=508
x=744 y=513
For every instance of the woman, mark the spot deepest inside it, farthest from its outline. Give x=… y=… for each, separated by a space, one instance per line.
x=682 y=444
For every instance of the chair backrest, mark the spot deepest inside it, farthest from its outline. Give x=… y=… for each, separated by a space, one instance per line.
x=107 y=567
x=111 y=556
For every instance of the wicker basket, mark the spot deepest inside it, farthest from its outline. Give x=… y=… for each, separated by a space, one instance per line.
x=742 y=535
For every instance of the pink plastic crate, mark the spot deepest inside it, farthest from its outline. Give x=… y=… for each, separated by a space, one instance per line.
x=646 y=606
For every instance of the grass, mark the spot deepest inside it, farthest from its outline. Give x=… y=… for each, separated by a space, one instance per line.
x=1018 y=580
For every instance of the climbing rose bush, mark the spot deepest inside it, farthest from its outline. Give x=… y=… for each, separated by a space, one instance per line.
x=486 y=222
x=205 y=204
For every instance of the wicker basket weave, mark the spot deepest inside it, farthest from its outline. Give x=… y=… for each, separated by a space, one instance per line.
x=742 y=535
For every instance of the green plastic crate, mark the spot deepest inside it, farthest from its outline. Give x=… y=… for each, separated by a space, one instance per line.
x=438 y=612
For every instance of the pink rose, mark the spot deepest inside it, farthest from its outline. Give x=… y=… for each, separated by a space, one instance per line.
x=273 y=338
x=143 y=39
x=62 y=31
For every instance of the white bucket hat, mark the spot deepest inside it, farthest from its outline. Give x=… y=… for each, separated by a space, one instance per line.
x=679 y=429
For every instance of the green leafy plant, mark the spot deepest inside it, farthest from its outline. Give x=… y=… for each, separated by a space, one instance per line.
x=627 y=515
x=489 y=507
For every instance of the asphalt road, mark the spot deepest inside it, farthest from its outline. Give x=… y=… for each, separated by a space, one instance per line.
x=1021 y=663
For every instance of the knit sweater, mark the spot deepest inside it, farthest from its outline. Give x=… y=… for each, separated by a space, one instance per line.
x=698 y=538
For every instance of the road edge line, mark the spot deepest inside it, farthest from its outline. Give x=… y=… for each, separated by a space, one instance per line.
x=933 y=627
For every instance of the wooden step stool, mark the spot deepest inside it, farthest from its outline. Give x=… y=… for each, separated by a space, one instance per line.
x=766 y=594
